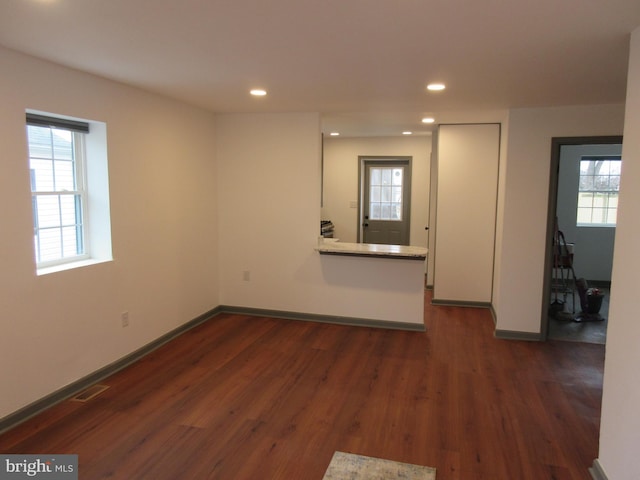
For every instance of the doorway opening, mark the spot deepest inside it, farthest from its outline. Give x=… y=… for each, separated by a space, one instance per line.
x=579 y=252
x=385 y=200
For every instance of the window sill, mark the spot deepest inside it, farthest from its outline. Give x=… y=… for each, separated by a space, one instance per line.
x=596 y=225
x=70 y=266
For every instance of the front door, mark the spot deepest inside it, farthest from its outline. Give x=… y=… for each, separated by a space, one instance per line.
x=386 y=200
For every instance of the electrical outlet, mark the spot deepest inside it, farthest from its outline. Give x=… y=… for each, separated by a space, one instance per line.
x=125 y=319
x=246 y=276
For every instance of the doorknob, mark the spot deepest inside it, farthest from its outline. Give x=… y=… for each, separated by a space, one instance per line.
x=426 y=228
x=365 y=225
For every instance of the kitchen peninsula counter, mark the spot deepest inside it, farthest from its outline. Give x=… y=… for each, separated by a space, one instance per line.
x=329 y=247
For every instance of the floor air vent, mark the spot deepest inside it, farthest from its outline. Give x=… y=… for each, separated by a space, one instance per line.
x=89 y=393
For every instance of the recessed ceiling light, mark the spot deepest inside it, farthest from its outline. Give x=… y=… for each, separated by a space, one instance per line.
x=428 y=120
x=258 y=92
x=435 y=87
x=407 y=133
x=334 y=134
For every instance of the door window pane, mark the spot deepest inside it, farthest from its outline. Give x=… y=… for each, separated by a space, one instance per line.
x=375 y=195
x=386 y=176
x=397 y=176
x=375 y=211
x=385 y=193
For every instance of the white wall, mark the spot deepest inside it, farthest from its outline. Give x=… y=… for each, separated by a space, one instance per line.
x=60 y=327
x=502 y=168
x=620 y=422
x=593 y=246
x=341 y=180
x=468 y=161
x=518 y=292
x=269 y=196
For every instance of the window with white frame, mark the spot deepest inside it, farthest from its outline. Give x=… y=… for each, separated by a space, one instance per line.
x=59 y=190
x=598 y=190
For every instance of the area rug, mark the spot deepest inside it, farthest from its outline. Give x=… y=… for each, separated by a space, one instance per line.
x=347 y=466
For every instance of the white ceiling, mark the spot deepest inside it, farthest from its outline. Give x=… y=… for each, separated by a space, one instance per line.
x=351 y=60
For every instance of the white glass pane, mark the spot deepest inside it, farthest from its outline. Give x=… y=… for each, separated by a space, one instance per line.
x=601 y=182
x=375 y=176
x=386 y=194
x=584 y=215
x=374 y=211
x=386 y=176
x=375 y=195
x=62 y=144
x=585 y=200
x=615 y=167
x=39 y=141
x=48 y=211
x=586 y=183
x=397 y=176
x=599 y=215
x=396 y=211
x=611 y=215
x=614 y=183
x=385 y=214
x=584 y=167
x=396 y=194
x=41 y=175
x=599 y=200
x=68 y=210
x=611 y=184
x=65 y=176
x=69 y=242
x=613 y=200
x=50 y=244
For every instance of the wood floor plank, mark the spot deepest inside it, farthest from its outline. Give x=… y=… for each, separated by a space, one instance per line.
x=242 y=397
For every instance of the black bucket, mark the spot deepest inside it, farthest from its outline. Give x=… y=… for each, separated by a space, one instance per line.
x=594 y=303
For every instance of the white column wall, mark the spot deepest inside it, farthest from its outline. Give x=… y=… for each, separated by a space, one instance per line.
x=620 y=422
x=465 y=223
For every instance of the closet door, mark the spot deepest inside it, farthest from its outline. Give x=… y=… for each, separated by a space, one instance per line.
x=468 y=157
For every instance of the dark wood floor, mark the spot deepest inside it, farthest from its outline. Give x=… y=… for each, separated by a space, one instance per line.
x=256 y=398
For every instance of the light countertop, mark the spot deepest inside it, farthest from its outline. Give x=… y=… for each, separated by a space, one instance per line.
x=329 y=247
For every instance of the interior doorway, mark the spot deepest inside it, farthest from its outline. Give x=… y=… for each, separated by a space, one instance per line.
x=385 y=209
x=581 y=195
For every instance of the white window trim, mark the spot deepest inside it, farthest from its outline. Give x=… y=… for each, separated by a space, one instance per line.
x=96 y=214
x=81 y=189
